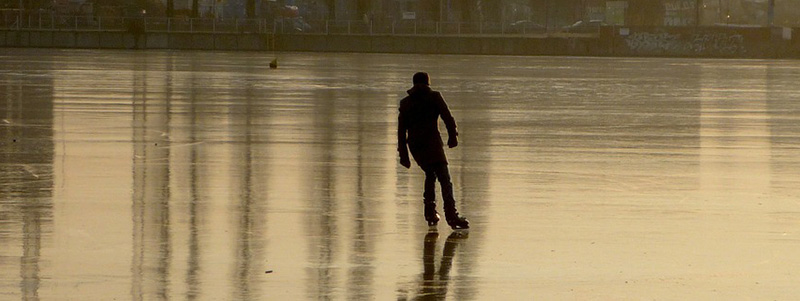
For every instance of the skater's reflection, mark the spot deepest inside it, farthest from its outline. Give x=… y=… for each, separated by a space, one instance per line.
x=434 y=285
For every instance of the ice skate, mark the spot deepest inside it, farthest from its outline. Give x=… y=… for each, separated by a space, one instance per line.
x=457 y=222
x=431 y=216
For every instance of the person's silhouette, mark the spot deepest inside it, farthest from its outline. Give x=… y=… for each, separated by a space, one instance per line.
x=418 y=131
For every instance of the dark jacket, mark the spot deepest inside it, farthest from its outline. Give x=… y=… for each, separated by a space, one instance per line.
x=419 y=118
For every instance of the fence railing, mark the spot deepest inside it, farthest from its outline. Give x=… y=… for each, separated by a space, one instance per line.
x=88 y=23
x=405 y=27
x=283 y=26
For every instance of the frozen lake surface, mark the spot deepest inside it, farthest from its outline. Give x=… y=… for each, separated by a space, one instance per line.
x=206 y=175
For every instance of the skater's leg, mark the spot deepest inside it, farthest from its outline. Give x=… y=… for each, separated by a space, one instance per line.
x=450 y=212
x=443 y=175
x=429 y=196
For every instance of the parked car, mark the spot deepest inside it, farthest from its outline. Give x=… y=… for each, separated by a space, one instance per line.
x=581 y=26
x=525 y=26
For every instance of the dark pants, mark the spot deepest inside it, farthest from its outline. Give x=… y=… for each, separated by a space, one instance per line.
x=439 y=171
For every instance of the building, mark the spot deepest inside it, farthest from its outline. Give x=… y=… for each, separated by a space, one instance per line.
x=547 y=13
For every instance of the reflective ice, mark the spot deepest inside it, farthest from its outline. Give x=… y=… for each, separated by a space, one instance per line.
x=207 y=175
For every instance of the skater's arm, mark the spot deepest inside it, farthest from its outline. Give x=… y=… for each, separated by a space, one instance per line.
x=401 y=132
x=402 y=149
x=449 y=121
x=447 y=117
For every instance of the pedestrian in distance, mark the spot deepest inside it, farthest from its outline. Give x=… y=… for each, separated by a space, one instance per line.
x=418 y=131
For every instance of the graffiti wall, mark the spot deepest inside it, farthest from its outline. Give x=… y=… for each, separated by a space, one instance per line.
x=693 y=43
x=686 y=44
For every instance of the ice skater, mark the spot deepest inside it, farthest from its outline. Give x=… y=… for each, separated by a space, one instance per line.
x=418 y=129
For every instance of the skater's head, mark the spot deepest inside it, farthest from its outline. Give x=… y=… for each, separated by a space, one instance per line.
x=422 y=78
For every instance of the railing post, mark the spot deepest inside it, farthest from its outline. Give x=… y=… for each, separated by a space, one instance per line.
x=169 y=24
x=191 y=25
x=76 y=23
x=214 y=24
x=236 y=25
x=348 y=27
x=393 y=26
x=415 y=27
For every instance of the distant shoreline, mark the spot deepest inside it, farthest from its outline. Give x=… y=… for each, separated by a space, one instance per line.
x=707 y=42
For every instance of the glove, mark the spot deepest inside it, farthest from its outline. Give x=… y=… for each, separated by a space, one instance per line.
x=404 y=160
x=452 y=141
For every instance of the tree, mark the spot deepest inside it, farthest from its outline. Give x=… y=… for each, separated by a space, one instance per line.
x=250 y=8
x=194 y=8
x=491 y=11
x=32 y=4
x=467 y=9
x=331 y=5
x=362 y=7
x=141 y=4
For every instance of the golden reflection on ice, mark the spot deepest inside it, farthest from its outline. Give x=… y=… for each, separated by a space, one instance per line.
x=734 y=131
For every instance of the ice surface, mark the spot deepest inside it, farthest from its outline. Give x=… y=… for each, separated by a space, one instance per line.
x=182 y=175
